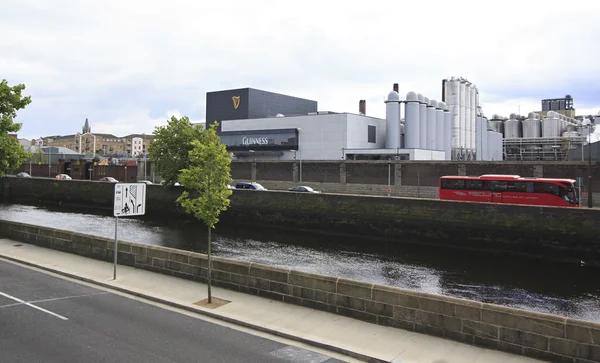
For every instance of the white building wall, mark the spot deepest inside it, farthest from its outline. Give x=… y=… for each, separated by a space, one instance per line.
x=321 y=137
x=137 y=146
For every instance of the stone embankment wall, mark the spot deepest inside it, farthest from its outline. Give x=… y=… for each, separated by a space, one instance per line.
x=542 y=336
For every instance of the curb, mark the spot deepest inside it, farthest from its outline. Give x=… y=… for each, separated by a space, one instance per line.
x=242 y=323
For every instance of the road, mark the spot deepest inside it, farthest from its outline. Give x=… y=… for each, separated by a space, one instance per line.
x=48 y=319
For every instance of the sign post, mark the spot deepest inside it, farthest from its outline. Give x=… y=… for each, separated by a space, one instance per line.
x=130 y=201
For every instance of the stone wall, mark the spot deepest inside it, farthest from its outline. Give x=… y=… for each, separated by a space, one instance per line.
x=537 y=335
x=561 y=234
x=406 y=178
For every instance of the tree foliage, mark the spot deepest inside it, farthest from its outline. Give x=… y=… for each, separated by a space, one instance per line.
x=170 y=151
x=208 y=173
x=12 y=155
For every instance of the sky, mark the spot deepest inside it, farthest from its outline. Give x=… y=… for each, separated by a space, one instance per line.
x=129 y=65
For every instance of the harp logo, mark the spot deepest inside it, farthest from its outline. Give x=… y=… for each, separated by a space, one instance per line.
x=236 y=102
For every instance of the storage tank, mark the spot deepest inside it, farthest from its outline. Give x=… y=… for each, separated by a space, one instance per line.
x=478 y=139
x=392 y=120
x=452 y=90
x=448 y=133
x=462 y=114
x=439 y=126
x=411 y=123
x=422 y=121
x=431 y=124
x=532 y=126
x=551 y=126
x=473 y=118
x=467 y=117
x=402 y=128
x=512 y=127
x=497 y=124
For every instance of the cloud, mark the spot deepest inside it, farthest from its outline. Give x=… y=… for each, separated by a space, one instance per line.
x=132 y=61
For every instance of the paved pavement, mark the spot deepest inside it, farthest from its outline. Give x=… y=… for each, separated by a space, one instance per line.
x=49 y=319
x=318 y=331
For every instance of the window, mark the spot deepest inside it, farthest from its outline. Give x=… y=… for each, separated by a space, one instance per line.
x=372 y=134
x=453 y=184
x=474 y=184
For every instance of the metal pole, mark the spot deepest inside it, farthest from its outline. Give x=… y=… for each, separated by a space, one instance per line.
x=115 y=257
x=300 y=165
x=49 y=161
x=590 y=196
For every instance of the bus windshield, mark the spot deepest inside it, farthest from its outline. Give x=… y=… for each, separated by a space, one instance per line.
x=570 y=194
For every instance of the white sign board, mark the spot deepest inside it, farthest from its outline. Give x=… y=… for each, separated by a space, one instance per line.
x=130 y=199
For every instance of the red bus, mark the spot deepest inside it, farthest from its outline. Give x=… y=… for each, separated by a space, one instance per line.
x=510 y=189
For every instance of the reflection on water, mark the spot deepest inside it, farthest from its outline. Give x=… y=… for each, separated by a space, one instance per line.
x=549 y=287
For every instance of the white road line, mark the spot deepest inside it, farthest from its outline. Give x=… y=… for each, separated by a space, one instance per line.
x=33 y=306
x=69 y=297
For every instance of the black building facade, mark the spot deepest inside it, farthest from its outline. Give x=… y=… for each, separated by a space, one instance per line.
x=250 y=103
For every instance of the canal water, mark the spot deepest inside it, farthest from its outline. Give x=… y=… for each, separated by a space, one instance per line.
x=550 y=287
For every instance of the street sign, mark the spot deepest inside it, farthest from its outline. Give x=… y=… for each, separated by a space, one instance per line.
x=130 y=199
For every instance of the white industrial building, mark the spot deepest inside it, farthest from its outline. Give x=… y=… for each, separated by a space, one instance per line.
x=416 y=128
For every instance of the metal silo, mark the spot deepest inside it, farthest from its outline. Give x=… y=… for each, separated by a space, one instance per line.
x=478 y=140
x=532 y=126
x=422 y=121
x=452 y=100
x=448 y=133
x=411 y=123
x=496 y=123
x=462 y=114
x=392 y=120
x=512 y=127
x=484 y=141
x=473 y=117
x=439 y=126
x=467 y=124
x=551 y=126
x=431 y=125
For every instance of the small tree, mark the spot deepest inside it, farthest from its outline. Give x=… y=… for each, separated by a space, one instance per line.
x=170 y=150
x=208 y=174
x=12 y=154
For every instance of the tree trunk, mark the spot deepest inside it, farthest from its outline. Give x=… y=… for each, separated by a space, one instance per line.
x=209 y=264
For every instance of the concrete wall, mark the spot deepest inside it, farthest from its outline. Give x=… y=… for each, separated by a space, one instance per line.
x=537 y=335
x=561 y=234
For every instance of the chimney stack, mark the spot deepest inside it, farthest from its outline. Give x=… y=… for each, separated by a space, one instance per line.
x=362 y=107
x=396 y=87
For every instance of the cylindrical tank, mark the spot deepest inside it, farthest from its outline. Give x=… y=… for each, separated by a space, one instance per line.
x=453 y=88
x=462 y=113
x=551 y=126
x=422 y=121
x=473 y=119
x=411 y=123
x=431 y=125
x=402 y=134
x=497 y=124
x=468 y=109
x=484 y=140
x=392 y=120
x=478 y=140
x=439 y=126
x=512 y=127
x=532 y=126
x=448 y=133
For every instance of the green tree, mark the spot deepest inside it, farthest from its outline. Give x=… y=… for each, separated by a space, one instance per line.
x=12 y=154
x=208 y=175
x=170 y=152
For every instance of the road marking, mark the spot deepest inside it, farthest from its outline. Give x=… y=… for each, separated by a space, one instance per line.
x=69 y=297
x=33 y=306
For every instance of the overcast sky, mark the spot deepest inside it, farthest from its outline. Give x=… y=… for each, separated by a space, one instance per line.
x=128 y=65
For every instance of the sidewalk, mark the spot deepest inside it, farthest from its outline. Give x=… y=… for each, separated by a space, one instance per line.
x=362 y=340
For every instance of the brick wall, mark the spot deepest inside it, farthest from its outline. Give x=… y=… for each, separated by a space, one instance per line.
x=536 y=335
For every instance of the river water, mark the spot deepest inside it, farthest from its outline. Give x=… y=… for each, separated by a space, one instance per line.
x=550 y=287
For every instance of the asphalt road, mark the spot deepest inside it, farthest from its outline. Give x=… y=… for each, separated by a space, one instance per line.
x=48 y=319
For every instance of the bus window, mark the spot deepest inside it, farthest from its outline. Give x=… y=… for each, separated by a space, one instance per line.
x=453 y=184
x=546 y=188
x=498 y=186
x=474 y=184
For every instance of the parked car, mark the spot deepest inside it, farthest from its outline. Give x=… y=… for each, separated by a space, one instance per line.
x=303 y=189
x=23 y=175
x=146 y=182
x=109 y=179
x=230 y=187
x=249 y=185
x=63 y=177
